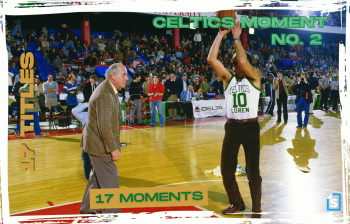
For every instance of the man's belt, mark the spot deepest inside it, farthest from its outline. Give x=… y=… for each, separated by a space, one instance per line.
x=242 y=121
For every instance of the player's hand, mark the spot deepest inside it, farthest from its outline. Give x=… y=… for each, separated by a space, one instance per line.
x=115 y=155
x=132 y=102
x=72 y=92
x=237 y=30
x=224 y=32
x=276 y=82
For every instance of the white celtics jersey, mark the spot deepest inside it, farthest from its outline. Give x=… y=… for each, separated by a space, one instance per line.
x=242 y=99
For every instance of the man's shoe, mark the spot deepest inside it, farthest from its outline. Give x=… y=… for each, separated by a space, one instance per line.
x=91 y=213
x=278 y=121
x=285 y=122
x=40 y=135
x=258 y=216
x=232 y=209
x=151 y=125
x=304 y=126
x=162 y=125
x=131 y=124
x=16 y=133
x=298 y=126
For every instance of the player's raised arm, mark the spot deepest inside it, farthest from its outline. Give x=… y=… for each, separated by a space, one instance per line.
x=242 y=59
x=217 y=66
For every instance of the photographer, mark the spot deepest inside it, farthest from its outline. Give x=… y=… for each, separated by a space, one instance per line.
x=303 y=99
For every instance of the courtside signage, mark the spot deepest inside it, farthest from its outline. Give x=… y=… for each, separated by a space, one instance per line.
x=148 y=197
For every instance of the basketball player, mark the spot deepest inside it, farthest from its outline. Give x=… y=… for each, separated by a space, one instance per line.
x=242 y=90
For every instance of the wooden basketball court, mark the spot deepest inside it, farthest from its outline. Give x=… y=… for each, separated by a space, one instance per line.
x=300 y=168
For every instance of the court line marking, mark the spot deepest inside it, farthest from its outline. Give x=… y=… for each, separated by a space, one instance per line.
x=204 y=209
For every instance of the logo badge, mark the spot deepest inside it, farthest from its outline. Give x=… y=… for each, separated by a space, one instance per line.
x=334 y=202
x=197 y=109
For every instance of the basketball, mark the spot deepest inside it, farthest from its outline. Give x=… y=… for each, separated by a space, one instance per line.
x=143 y=108
x=144 y=116
x=225 y=13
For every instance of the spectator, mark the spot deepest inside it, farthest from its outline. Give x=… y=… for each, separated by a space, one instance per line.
x=187 y=95
x=101 y=48
x=51 y=37
x=53 y=44
x=171 y=86
x=129 y=58
x=335 y=93
x=204 y=86
x=143 y=74
x=91 y=60
x=32 y=37
x=78 y=47
x=324 y=84
x=196 y=85
x=17 y=38
x=166 y=49
x=126 y=43
x=45 y=46
x=79 y=80
x=14 y=70
x=61 y=45
x=119 y=55
x=281 y=85
x=197 y=37
x=61 y=79
x=70 y=47
x=211 y=93
x=109 y=46
x=136 y=92
x=53 y=55
x=63 y=69
x=167 y=58
x=10 y=83
x=38 y=88
x=71 y=89
x=155 y=92
x=89 y=88
x=59 y=37
x=88 y=72
x=57 y=63
x=304 y=98
x=136 y=62
x=173 y=58
x=182 y=85
x=218 y=87
x=93 y=45
x=313 y=85
x=50 y=88
x=15 y=30
x=33 y=111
